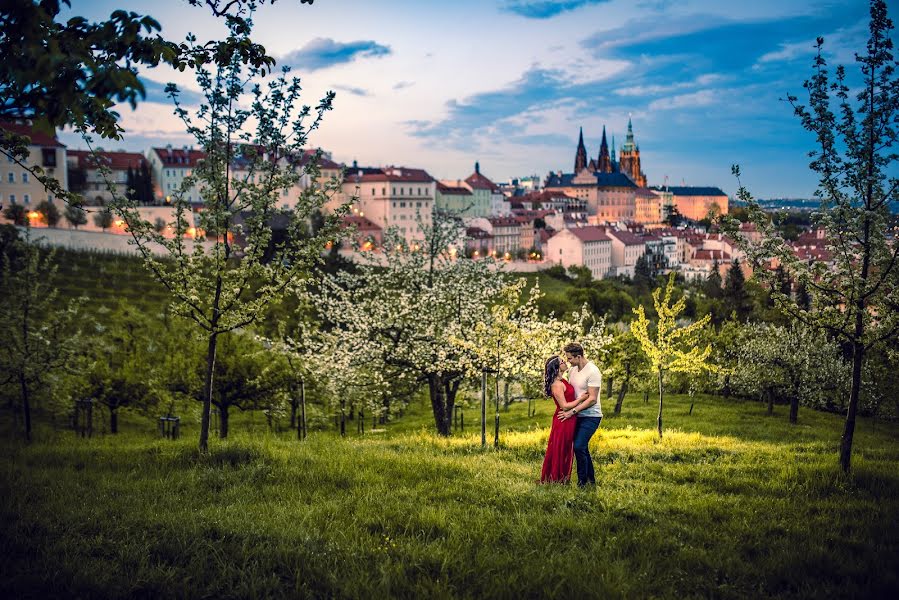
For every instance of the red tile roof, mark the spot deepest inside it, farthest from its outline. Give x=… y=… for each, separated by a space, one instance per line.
x=718 y=255
x=323 y=161
x=453 y=190
x=400 y=174
x=590 y=234
x=117 y=161
x=532 y=214
x=546 y=196
x=178 y=157
x=479 y=182
x=361 y=223
x=38 y=138
x=626 y=237
x=477 y=233
x=813 y=253
x=503 y=221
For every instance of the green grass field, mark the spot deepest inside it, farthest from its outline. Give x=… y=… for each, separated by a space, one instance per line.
x=731 y=504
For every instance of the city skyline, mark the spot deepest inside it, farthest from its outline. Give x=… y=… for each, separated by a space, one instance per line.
x=510 y=83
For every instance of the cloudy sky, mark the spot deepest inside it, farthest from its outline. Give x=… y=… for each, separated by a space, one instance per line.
x=442 y=84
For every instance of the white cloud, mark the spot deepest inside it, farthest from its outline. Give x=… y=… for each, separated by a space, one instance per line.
x=700 y=98
x=655 y=90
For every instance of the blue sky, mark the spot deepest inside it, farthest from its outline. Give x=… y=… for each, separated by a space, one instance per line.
x=439 y=85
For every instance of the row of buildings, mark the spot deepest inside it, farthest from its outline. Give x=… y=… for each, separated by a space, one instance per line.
x=601 y=215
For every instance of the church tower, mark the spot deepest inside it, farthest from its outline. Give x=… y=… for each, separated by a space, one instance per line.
x=615 y=168
x=580 y=159
x=604 y=162
x=629 y=162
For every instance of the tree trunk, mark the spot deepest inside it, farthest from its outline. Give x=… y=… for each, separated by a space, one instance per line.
x=443 y=397
x=207 y=393
x=293 y=412
x=113 y=420
x=726 y=391
x=858 y=357
x=385 y=403
x=620 y=400
x=770 y=401
x=223 y=421
x=303 y=408
x=26 y=406
x=624 y=385
x=661 y=397
x=438 y=404
x=609 y=386
x=794 y=409
x=483 y=409
x=450 y=390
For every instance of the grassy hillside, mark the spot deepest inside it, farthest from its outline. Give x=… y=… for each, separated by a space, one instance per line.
x=106 y=277
x=730 y=504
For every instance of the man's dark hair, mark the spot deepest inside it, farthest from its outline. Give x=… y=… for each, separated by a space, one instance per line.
x=574 y=349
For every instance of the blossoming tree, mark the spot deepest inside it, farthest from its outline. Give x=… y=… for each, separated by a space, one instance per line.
x=400 y=311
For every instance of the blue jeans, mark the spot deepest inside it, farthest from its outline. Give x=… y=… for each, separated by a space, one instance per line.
x=583 y=431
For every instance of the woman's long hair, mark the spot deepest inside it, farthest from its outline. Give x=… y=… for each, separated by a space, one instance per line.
x=550 y=372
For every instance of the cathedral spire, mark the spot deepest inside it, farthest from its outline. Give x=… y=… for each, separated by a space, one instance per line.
x=604 y=162
x=580 y=157
x=629 y=159
x=614 y=159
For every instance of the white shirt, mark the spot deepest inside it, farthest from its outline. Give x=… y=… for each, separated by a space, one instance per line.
x=580 y=380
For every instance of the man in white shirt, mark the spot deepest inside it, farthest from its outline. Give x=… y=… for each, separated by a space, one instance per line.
x=584 y=376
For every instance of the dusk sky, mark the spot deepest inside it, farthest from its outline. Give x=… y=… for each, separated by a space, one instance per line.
x=439 y=85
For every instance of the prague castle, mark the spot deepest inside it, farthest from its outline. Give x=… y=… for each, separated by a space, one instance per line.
x=629 y=163
x=615 y=188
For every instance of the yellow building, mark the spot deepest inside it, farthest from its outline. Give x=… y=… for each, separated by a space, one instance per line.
x=17 y=185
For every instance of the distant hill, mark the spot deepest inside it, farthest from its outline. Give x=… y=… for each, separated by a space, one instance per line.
x=799 y=204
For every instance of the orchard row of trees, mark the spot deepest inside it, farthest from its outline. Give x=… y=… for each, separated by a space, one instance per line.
x=425 y=318
x=368 y=339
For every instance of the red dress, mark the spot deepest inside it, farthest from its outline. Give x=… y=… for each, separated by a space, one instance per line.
x=560 y=449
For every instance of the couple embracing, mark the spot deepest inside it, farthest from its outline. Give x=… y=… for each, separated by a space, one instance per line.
x=576 y=418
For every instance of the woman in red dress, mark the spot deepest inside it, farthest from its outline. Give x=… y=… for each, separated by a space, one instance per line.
x=560 y=449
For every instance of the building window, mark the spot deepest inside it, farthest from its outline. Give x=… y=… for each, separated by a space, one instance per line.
x=12 y=198
x=49 y=156
x=372 y=191
x=383 y=191
x=26 y=198
x=24 y=177
x=12 y=177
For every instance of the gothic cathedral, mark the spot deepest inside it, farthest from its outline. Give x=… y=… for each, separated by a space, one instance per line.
x=628 y=163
